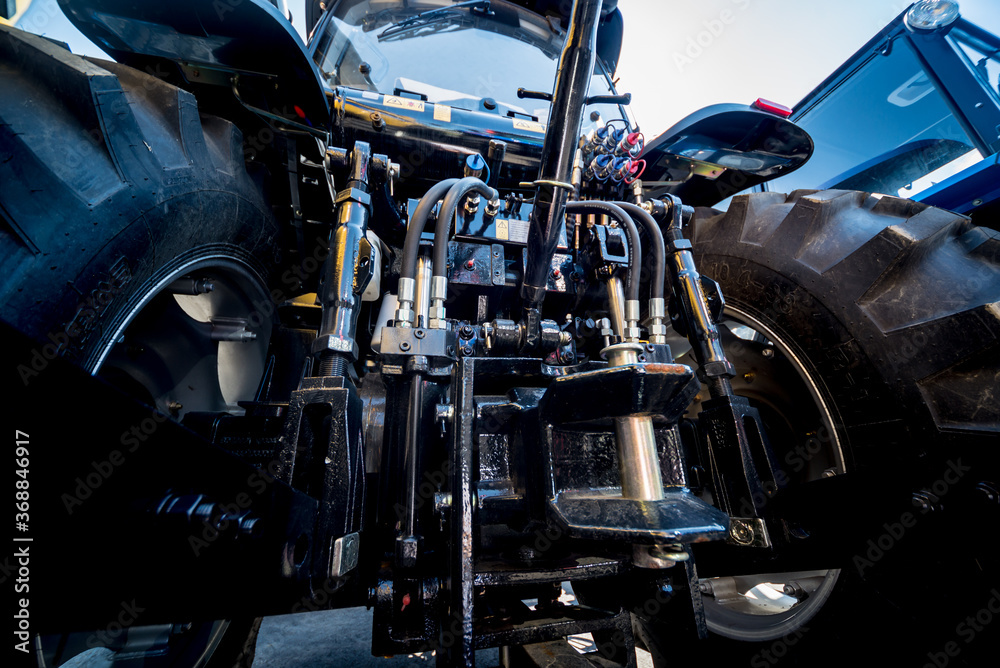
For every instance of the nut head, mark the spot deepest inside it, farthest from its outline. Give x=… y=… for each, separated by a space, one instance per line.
x=741 y=532
x=407 y=550
x=336 y=344
x=437 y=318
x=404 y=316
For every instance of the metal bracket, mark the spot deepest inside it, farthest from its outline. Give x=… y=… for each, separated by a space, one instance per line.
x=344 y=554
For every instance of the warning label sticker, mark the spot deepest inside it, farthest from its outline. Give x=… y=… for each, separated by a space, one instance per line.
x=403 y=103
x=442 y=112
x=503 y=230
x=528 y=126
x=515 y=230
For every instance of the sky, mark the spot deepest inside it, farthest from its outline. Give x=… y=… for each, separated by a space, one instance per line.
x=681 y=55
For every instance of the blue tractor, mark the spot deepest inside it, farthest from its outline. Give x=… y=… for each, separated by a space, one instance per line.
x=914 y=113
x=413 y=317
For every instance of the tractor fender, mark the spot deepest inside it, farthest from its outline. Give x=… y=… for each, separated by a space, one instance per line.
x=210 y=42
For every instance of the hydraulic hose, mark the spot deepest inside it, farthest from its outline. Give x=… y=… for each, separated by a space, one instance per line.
x=455 y=195
x=658 y=250
x=569 y=96
x=631 y=231
x=411 y=244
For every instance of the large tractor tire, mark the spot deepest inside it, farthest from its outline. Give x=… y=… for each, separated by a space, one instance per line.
x=866 y=330
x=136 y=243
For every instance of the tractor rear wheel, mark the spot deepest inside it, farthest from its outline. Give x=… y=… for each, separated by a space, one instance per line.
x=865 y=329
x=136 y=243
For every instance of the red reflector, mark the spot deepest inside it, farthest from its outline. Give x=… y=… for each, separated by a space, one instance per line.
x=772 y=107
x=299 y=112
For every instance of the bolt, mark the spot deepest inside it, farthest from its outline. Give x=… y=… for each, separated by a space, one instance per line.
x=749 y=376
x=649 y=348
x=977 y=202
x=496 y=253
x=525 y=553
x=419 y=333
x=927 y=501
x=470 y=264
x=466 y=350
x=741 y=532
x=442 y=500
x=377 y=121
x=706 y=588
x=987 y=491
x=556 y=273
x=642 y=358
x=404 y=345
x=794 y=589
x=466 y=332
x=768 y=353
x=444 y=413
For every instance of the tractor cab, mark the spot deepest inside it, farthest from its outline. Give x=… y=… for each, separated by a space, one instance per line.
x=913 y=114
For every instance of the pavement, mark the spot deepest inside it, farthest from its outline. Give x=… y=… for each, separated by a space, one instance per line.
x=335 y=639
x=339 y=638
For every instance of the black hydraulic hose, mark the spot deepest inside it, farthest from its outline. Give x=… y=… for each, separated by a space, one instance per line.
x=659 y=250
x=466 y=186
x=631 y=231
x=418 y=220
x=569 y=95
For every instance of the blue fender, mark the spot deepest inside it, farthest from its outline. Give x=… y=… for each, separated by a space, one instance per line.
x=213 y=40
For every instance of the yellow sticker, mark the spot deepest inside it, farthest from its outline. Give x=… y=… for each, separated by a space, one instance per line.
x=403 y=103
x=530 y=126
x=502 y=230
x=442 y=112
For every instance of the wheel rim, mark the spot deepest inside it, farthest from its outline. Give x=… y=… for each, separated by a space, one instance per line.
x=801 y=430
x=191 y=352
x=161 y=350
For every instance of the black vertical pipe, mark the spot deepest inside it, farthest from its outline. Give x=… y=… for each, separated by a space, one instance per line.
x=576 y=66
x=414 y=436
x=457 y=642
